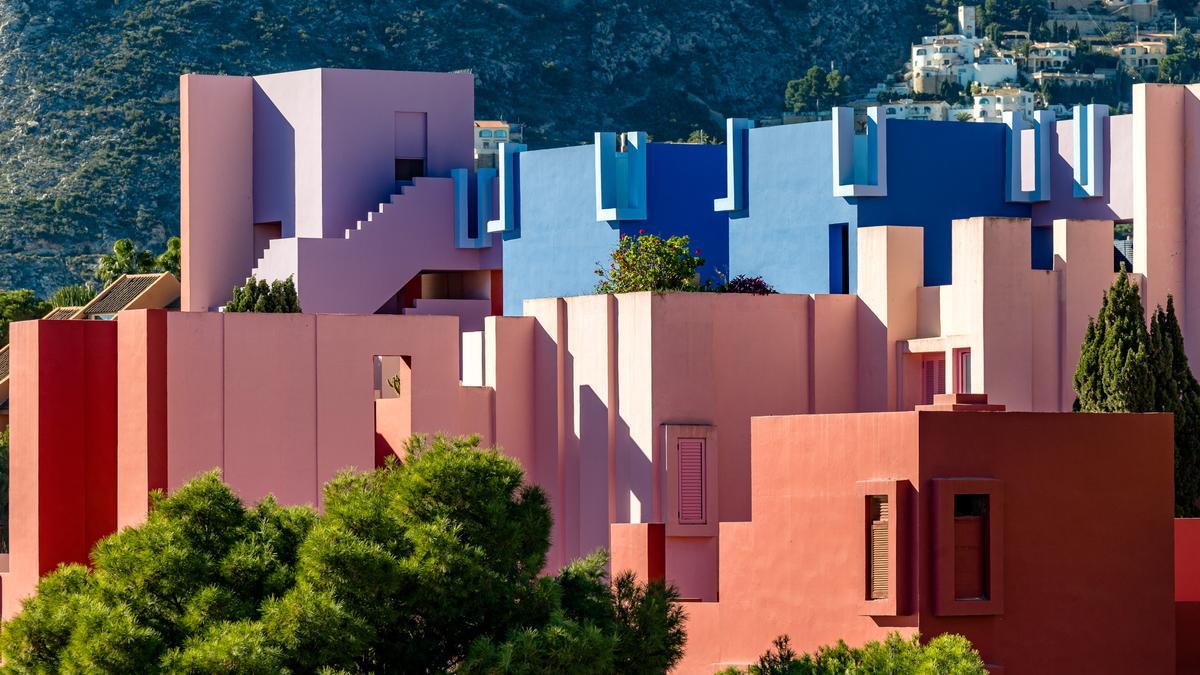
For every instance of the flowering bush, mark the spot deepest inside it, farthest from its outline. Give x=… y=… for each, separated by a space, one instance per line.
x=649 y=263
x=744 y=284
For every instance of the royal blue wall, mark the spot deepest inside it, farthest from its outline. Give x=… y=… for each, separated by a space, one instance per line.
x=561 y=243
x=939 y=172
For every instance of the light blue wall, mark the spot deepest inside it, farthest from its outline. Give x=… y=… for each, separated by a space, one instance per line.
x=784 y=237
x=560 y=240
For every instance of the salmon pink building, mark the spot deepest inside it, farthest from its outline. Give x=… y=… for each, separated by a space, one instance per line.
x=733 y=444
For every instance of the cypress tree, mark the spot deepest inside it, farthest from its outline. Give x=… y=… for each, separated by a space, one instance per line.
x=1125 y=367
x=1178 y=392
x=1115 y=367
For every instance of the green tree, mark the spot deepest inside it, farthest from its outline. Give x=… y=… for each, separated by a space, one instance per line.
x=19 y=305
x=946 y=654
x=1176 y=391
x=1181 y=65
x=278 y=297
x=125 y=259
x=997 y=16
x=817 y=90
x=1125 y=367
x=428 y=565
x=964 y=116
x=647 y=262
x=170 y=259
x=1115 y=364
x=75 y=295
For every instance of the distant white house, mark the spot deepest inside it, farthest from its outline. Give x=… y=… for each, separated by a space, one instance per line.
x=992 y=102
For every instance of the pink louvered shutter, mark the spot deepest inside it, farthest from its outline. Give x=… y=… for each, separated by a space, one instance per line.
x=691 y=481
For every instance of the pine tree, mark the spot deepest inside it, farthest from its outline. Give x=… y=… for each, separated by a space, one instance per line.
x=1115 y=367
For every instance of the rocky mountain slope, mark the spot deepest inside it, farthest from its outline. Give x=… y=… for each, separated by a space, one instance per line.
x=89 y=88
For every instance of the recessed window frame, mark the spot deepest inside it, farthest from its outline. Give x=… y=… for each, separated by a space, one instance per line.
x=671 y=435
x=896 y=492
x=944 y=490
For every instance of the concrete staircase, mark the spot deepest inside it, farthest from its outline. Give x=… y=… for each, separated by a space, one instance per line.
x=357 y=273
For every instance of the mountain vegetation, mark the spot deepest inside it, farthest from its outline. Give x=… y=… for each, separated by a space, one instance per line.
x=89 y=120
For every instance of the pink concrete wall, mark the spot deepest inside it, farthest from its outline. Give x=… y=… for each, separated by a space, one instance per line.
x=1187 y=594
x=508 y=370
x=270 y=397
x=283 y=402
x=1080 y=250
x=216 y=181
x=141 y=412
x=890 y=272
x=1160 y=193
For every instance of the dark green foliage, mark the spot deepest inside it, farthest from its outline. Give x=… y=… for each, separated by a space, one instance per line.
x=1115 y=364
x=817 y=91
x=1180 y=8
x=1125 y=367
x=19 y=305
x=1181 y=65
x=75 y=295
x=199 y=565
x=90 y=147
x=946 y=654
x=432 y=565
x=259 y=296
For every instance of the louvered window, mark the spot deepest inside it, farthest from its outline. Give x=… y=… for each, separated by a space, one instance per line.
x=691 y=481
x=933 y=378
x=877 y=547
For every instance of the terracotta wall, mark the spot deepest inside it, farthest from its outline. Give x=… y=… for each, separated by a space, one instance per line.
x=1087 y=538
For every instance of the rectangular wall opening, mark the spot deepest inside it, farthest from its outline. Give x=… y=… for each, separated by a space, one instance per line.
x=839 y=258
x=971 y=547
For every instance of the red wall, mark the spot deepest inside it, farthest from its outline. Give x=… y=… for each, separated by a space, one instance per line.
x=1187 y=594
x=63 y=462
x=1087 y=527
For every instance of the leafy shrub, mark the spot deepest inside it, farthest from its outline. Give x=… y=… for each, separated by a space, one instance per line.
x=646 y=262
x=430 y=565
x=744 y=284
x=276 y=297
x=947 y=654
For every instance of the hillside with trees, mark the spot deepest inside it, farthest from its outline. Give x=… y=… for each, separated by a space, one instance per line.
x=89 y=119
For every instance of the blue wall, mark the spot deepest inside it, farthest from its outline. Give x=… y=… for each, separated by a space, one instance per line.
x=561 y=243
x=784 y=236
x=937 y=172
